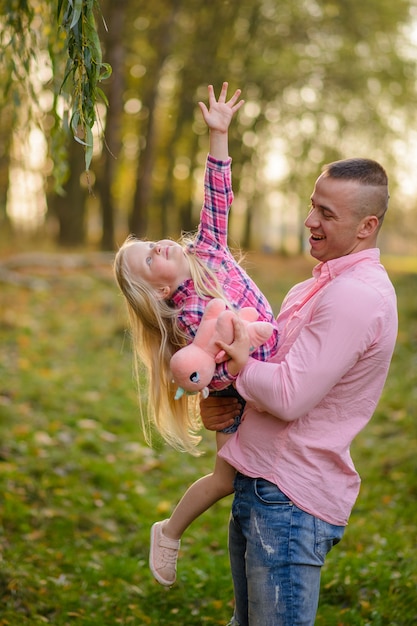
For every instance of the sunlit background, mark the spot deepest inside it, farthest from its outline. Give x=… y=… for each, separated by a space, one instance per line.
x=333 y=90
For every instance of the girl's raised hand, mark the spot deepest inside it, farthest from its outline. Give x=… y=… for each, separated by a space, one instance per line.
x=220 y=112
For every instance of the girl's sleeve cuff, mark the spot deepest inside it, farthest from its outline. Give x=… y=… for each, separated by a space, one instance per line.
x=216 y=162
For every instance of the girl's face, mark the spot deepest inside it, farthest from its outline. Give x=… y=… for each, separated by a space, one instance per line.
x=162 y=264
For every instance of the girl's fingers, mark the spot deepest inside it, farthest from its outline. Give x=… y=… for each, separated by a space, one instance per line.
x=223 y=93
x=237 y=106
x=233 y=103
x=235 y=96
x=203 y=108
x=211 y=96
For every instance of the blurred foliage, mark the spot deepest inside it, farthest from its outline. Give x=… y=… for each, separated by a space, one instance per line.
x=19 y=46
x=323 y=79
x=34 y=33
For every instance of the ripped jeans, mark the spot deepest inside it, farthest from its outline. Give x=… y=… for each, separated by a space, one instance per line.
x=276 y=553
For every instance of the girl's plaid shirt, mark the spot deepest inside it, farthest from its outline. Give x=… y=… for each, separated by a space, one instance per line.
x=211 y=246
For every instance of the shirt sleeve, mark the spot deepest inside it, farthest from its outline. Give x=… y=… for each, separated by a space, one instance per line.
x=340 y=329
x=221 y=378
x=218 y=198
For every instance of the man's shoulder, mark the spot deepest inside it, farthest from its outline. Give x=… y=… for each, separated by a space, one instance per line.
x=369 y=289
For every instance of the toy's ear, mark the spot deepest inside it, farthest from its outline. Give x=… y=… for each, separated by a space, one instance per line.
x=213 y=309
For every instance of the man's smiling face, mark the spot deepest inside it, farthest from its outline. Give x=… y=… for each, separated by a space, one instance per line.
x=333 y=219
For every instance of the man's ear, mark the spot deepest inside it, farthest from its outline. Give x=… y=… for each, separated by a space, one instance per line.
x=368 y=226
x=163 y=292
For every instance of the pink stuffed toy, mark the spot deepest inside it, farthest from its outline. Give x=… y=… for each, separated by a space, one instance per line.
x=194 y=365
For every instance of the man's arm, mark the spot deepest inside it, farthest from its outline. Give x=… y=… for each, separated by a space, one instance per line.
x=342 y=327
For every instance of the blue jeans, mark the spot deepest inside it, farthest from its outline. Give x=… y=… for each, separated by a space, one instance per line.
x=276 y=553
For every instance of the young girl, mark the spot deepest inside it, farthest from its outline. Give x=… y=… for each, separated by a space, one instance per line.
x=167 y=286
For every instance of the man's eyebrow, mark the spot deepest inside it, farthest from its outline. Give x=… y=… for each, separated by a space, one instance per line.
x=326 y=208
x=322 y=207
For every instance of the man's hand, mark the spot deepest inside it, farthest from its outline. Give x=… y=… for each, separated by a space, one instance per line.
x=219 y=412
x=239 y=350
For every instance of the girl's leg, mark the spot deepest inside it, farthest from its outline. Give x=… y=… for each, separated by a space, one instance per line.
x=201 y=495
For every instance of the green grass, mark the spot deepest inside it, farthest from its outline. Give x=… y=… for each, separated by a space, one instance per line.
x=80 y=488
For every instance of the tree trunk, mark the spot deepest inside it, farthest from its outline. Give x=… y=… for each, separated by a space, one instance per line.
x=138 y=220
x=70 y=209
x=113 y=39
x=6 y=134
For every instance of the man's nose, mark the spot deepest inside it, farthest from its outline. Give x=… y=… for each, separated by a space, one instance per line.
x=311 y=219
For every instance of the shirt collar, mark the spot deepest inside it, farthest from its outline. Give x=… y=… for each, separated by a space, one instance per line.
x=334 y=267
x=181 y=292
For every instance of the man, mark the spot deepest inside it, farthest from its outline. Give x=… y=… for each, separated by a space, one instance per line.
x=296 y=483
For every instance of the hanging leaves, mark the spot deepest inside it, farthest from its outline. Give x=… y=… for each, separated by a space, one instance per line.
x=84 y=70
x=18 y=44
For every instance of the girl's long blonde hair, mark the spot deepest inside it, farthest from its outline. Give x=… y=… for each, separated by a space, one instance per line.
x=156 y=337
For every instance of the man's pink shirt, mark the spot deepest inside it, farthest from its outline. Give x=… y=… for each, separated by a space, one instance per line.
x=306 y=405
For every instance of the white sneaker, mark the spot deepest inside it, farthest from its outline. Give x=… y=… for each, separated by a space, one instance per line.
x=163 y=555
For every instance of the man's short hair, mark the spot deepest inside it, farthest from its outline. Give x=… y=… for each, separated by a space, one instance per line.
x=365 y=171
x=368 y=173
